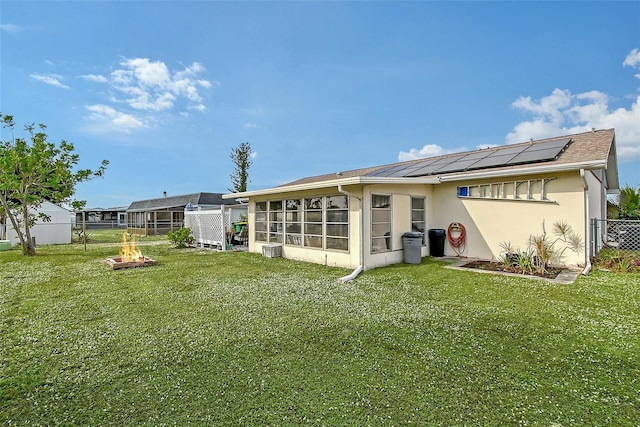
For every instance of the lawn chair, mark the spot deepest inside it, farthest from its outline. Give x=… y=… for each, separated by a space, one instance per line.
x=243 y=236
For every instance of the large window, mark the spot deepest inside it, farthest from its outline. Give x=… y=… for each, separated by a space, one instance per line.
x=313 y=219
x=418 y=216
x=275 y=221
x=380 y=223
x=337 y=223
x=293 y=221
x=261 y=222
x=313 y=222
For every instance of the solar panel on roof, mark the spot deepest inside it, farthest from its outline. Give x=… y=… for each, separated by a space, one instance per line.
x=447 y=160
x=560 y=144
x=479 y=154
x=401 y=170
x=426 y=170
x=457 y=166
x=541 y=152
x=481 y=159
x=491 y=161
x=385 y=171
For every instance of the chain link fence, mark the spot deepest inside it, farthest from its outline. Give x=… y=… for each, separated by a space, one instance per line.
x=615 y=234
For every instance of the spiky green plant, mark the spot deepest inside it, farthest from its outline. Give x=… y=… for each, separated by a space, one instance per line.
x=629 y=203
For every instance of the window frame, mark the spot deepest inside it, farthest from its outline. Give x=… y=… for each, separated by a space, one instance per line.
x=386 y=246
x=422 y=221
x=277 y=224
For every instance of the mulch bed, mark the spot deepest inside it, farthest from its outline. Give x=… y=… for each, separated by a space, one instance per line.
x=551 y=273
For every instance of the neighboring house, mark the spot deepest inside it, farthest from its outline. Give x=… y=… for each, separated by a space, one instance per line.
x=496 y=195
x=159 y=216
x=53 y=232
x=102 y=218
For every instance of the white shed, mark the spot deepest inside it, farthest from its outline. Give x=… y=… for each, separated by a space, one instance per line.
x=56 y=231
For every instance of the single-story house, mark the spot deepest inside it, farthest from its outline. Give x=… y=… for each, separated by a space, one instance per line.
x=481 y=199
x=54 y=232
x=159 y=216
x=102 y=217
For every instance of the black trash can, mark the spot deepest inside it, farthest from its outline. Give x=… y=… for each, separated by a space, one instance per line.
x=412 y=247
x=436 y=241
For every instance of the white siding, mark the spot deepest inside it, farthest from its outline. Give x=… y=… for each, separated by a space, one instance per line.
x=57 y=231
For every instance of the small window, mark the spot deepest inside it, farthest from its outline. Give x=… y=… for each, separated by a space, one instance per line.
x=534 y=190
x=463 y=191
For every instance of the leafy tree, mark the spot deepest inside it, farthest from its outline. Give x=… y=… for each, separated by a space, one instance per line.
x=33 y=170
x=629 y=203
x=241 y=157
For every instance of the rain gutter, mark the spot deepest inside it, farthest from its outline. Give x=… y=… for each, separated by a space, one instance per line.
x=566 y=167
x=360 y=268
x=587 y=230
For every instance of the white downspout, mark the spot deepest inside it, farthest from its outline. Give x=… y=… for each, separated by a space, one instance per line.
x=587 y=233
x=360 y=268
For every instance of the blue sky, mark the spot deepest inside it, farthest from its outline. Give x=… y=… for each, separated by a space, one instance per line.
x=165 y=89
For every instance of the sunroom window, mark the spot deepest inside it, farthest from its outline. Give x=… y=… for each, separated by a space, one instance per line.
x=314 y=222
x=337 y=223
x=261 y=222
x=293 y=222
x=380 y=223
x=313 y=208
x=275 y=221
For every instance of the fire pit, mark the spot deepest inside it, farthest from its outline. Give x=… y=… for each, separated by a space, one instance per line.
x=130 y=256
x=117 y=262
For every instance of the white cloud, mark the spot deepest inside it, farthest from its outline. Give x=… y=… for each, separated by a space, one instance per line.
x=109 y=119
x=632 y=59
x=563 y=113
x=151 y=86
x=10 y=28
x=50 y=79
x=429 y=150
x=200 y=107
x=95 y=78
x=249 y=126
x=579 y=113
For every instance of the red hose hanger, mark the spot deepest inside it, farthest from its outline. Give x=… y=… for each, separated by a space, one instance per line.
x=457 y=236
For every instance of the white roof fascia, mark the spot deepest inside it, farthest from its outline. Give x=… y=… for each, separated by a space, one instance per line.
x=356 y=180
x=431 y=179
x=595 y=164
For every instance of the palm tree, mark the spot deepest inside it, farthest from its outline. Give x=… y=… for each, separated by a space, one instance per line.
x=629 y=203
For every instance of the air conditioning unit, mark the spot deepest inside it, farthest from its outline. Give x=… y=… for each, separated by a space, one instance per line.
x=272 y=250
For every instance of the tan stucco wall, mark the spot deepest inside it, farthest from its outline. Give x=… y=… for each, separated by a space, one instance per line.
x=490 y=222
x=400 y=217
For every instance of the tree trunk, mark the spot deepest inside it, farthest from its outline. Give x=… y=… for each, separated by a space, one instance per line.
x=28 y=247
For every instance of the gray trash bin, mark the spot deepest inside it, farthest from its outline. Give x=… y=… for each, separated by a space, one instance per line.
x=412 y=247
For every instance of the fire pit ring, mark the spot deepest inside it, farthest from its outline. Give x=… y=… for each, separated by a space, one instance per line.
x=117 y=263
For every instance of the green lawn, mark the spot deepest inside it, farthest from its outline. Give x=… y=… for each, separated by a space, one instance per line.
x=212 y=338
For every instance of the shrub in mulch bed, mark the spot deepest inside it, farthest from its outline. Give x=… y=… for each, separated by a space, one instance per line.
x=551 y=272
